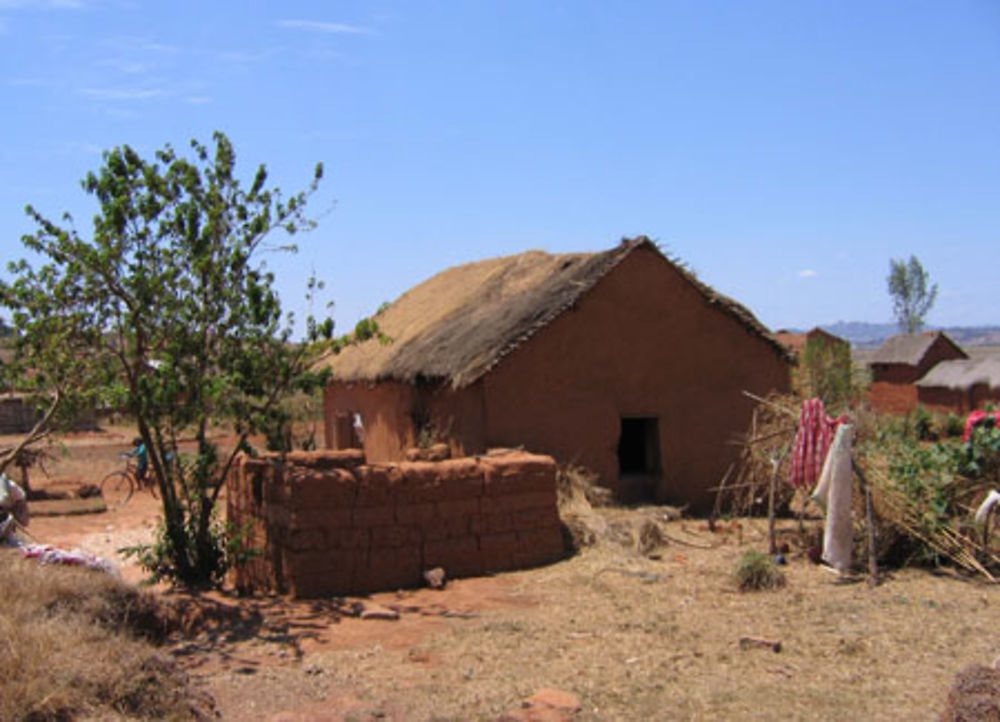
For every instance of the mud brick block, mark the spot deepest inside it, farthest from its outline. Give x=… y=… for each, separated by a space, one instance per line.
x=416 y=514
x=498 y=550
x=306 y=539
x=458 y=557
x=462 y=478
x=420 y=483
x=349 y=538
x=457 y=527
x=538 y=547
x=519 y=473
x=305 y=563
x=393 y=537
x=377 y=484
x=450 y=508
x=529 y=500
x=308 y=518
x=390 y=569
x=373 y=516
x=527 y=519
x=435 y=530
x=278 y=515
x=277 y=492
x=336 y=575
x=494 y=522
x=331 y=489
x=325 y=459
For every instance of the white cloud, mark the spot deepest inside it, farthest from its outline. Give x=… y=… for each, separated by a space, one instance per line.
x=324 y=27
x=808 y=273
x=198 y=99
x=122 y=93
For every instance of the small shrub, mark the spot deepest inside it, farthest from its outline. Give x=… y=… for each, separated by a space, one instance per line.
x=756 y=571
x=954 y=425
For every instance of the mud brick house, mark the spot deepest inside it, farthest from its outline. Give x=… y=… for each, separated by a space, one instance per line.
x=961 y=385
x=17 y=416
x=620 y=361
x=796 y=342
x=901 y=361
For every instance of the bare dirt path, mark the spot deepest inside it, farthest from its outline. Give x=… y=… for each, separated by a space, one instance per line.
x=632 y=637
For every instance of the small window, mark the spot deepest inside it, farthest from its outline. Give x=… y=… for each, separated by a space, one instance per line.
x=639 y=446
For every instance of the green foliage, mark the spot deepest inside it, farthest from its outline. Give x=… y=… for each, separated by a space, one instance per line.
x=953 y=425
x=912 y=297
x=365 y=329
x=826 y=372
x=757 y=571
x=168 y=296
x=922 y=422
x=936 y=481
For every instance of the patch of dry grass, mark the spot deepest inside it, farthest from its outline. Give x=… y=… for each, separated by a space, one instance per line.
x=76 y=643
x=642 y=638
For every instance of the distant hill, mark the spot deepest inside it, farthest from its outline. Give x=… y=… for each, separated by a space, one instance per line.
x=865 y=335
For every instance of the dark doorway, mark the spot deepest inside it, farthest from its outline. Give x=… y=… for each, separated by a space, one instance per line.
x=639 y=446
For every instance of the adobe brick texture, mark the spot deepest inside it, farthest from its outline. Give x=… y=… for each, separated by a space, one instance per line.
x=325 y=523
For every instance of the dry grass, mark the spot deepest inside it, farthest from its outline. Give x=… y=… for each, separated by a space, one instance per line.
x=656 y=638
x=75 y=643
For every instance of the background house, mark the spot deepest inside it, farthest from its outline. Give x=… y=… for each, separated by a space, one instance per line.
x=823 y=365
x=621 y=361
x=901 y=361
x=961 y=385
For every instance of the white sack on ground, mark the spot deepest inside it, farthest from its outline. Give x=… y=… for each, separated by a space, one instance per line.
x=833 y=492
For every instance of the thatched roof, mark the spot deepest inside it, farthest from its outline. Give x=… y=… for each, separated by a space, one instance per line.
x=459 y=324
x=909 y=348
x=963 y=374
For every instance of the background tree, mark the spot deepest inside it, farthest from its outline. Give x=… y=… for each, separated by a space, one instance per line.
x=912 y=298
x=169 y=293
x=825 y=370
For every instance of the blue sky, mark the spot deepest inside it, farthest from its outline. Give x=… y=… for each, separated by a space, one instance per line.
x=784 y=150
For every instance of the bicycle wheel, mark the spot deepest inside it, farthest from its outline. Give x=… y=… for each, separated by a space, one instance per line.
x=117 y=488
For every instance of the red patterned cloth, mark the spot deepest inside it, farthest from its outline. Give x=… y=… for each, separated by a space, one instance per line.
x=976 y=418
x=812 y=441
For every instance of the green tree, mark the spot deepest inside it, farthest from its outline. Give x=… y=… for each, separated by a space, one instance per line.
x=912 y=296
x=826 y=366
x=170 y=294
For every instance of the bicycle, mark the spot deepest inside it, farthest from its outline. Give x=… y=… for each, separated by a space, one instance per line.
x=118 y=487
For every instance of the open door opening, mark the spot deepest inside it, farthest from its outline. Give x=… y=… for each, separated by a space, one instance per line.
x=639 y=463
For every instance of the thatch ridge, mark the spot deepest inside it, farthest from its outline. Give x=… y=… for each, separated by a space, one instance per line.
x=963 y=374
x=909 y=348
x=458 y=325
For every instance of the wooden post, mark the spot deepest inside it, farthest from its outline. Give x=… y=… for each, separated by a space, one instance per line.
x=771 y=538
x=869 y=524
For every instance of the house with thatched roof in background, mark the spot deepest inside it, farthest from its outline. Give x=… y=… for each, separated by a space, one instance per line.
x=901 y=361
x=961 y=386
x=620 y=361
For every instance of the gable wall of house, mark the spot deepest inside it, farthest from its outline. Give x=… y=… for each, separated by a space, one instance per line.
x=892 y=390
x=643 y=342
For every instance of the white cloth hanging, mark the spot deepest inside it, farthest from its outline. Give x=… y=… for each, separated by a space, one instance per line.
x=834 y=493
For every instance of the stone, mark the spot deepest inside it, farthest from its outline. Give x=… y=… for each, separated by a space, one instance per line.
x=435 y=578
x=376 y=611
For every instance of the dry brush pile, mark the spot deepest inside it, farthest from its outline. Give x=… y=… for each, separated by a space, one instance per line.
x=926 y=484
x=80 y=643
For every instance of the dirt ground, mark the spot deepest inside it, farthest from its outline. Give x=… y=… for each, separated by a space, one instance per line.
x=632 y=637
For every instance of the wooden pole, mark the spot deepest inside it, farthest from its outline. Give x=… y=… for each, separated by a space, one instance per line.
x=772 y=491
x=869 y=524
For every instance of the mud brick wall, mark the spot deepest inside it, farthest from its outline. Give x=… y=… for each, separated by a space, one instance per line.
x=328 y=524
x=887 y=398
